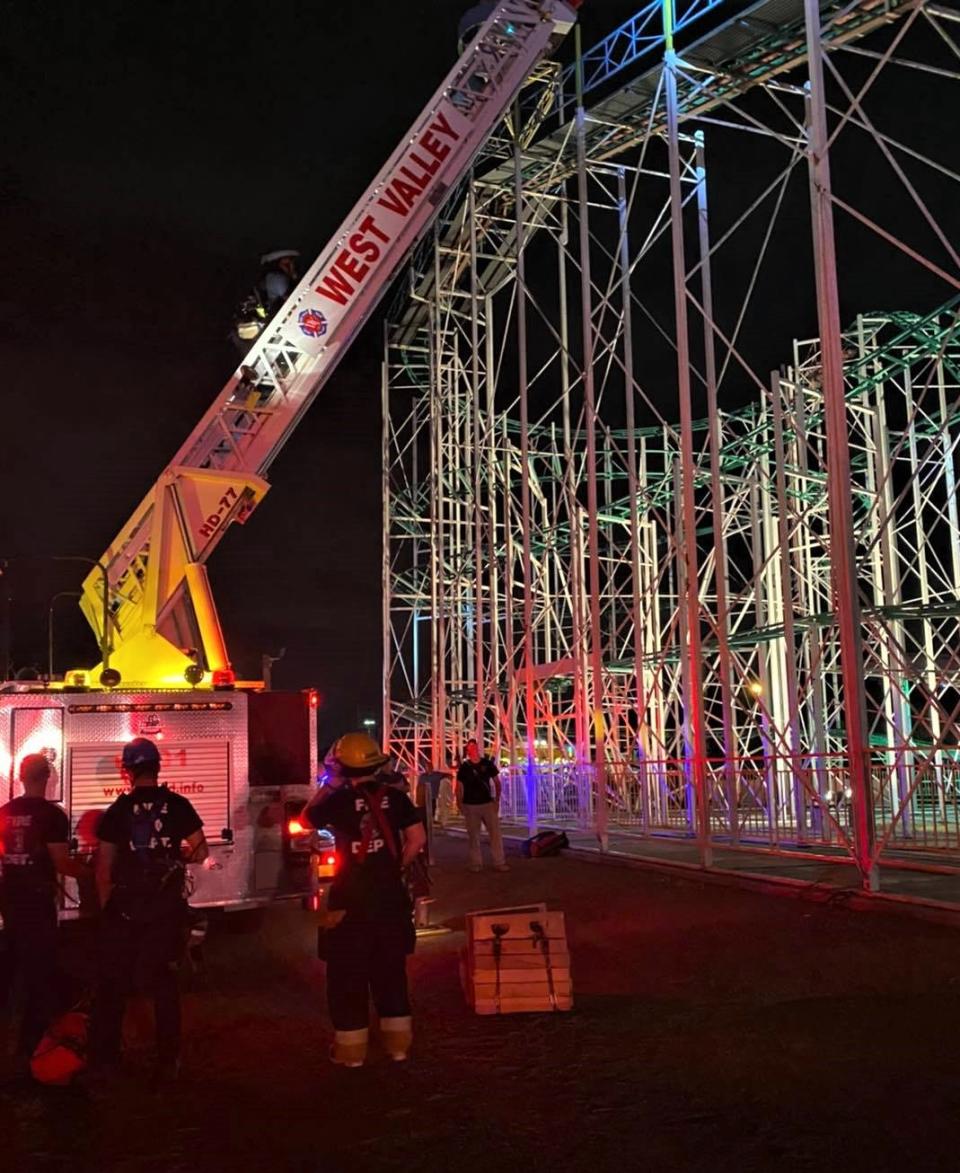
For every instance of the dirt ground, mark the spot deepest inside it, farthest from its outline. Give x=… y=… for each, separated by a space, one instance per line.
x=713 y=1029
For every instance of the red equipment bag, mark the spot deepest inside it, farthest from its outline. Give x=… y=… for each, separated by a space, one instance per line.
x=62 y=1052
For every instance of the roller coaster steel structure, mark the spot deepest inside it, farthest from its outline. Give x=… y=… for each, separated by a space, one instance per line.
x=742 y=629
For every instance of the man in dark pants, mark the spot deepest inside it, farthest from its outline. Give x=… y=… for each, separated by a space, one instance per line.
x=370 y=927
x=146 y=837
x=33 y=847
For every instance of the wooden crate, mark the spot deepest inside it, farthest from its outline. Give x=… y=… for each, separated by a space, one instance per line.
x=516 y=960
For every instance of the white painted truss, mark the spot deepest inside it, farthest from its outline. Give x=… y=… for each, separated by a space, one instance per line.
x=664 y=613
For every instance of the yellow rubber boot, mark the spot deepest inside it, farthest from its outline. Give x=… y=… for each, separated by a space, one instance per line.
x=350 y=1047
x=397 y=1035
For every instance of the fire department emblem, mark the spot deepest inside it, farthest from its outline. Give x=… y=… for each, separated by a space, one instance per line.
x=312 y=323
x=151 y=726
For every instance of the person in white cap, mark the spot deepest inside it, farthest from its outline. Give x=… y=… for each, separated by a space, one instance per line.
x=278 y=275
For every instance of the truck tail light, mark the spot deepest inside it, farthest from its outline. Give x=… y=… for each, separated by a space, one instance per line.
x=325 y=865
x=297 y=835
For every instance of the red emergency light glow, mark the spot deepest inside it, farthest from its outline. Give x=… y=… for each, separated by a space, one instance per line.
x=314 y=698
x=330 y=860
x=223 y=678
x=295 y=827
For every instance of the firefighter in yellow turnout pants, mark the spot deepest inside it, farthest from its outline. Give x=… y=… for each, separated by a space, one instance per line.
x=370 y=930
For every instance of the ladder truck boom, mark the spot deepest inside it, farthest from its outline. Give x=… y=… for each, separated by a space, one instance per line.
x=161 y=612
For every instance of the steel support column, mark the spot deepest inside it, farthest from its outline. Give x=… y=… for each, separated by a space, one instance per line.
x=696 y=748
x=523 y=388
x=590 y=428
x=730 y=784
x=842 y=550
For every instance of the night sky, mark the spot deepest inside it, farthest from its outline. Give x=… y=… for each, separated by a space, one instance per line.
x=157 y=150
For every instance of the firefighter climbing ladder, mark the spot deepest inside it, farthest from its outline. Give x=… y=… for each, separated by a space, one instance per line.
x=161 y=612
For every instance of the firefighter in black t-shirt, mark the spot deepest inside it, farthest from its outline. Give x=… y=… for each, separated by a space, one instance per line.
x=370 y=927
x=33 y=847
x=146 y=838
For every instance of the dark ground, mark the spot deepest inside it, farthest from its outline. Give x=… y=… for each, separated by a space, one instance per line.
x=713 y=1029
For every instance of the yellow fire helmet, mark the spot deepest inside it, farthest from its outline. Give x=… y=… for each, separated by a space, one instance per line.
x=356 y=752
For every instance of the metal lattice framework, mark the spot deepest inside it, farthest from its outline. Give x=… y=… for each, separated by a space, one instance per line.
x=744 y=628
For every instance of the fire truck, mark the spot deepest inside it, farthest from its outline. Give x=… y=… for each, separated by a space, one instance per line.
x=244 y=757
x=247 y=758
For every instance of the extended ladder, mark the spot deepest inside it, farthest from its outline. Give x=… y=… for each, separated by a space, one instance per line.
x=162 y=615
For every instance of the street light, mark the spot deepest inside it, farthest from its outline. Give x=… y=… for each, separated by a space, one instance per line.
x=50 y=607
x=105 y=630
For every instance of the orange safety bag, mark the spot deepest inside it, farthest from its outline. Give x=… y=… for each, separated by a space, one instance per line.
x=62 y=1052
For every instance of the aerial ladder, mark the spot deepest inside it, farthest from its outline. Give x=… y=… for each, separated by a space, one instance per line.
x=149 y=601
